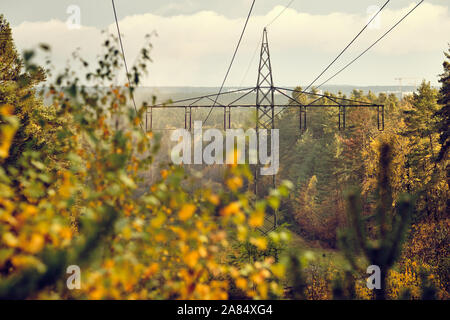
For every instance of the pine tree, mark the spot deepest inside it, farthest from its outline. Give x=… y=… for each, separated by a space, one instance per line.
x=421 y=122
x=443 y=125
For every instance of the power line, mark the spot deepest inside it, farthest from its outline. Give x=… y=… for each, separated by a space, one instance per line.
x=379 y=39
x=125 y=62
x=345 y=49
x=370 y=47
x=232 y=60
x=282 y=11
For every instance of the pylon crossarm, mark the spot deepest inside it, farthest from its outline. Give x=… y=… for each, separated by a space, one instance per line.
x=284 y=106
x=202 y=97
x=197 y=100
x=332 y=100
x=217 y=104
x=241 y=97
x=287 y=96
x=325 y=96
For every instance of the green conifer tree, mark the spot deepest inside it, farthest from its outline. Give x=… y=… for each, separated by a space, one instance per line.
x=444 y=113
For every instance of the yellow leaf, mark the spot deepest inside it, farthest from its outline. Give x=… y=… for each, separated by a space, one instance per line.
x=202 y=251
x=263 y=289
x=97 y=294
x=214 y=199
x=160 y=237
x=7 y=110
x=22 y=261
x=158 y=221
x=126 y=232
x=235 y=183
x=10 y=239
x=35 y=244
x=66 y=233
x=30 y=210
x=191 y=258
x=186 y=212
x=260 y=243
x=6 y=136
x=278 y=270
x=151 y=270
x=256 y=219
x=232 y=208
x=241 y=283
x=164 y=174
x=257 y=278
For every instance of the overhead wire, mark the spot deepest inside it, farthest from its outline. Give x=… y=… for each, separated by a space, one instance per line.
x=270 y=23
x=372 y=45
x=232 y=61
x=348 y=45
x=125 y=62
x=365 y=51
x=281 y=13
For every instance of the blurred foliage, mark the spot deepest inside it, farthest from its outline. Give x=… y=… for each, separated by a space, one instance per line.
x=69 y=177
x=393 y=221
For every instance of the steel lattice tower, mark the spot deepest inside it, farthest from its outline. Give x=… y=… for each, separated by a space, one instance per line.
x=265 y=90
x=268 y=97
x=265 y=109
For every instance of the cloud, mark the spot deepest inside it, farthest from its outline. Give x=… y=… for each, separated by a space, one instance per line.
x=196 y=49
x=63 y=41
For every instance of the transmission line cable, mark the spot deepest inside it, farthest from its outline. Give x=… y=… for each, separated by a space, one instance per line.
x=232 y=61
x=282 y=11
x=345 y=49
x=373 y=44
x=125 y=62
x=370 y=47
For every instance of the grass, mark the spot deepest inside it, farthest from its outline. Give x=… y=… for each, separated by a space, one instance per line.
x=322 y=257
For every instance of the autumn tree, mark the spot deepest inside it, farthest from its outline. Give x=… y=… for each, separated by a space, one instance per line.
x=18 y=89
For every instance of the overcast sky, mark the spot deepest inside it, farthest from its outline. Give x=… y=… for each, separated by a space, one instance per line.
x=197 y=37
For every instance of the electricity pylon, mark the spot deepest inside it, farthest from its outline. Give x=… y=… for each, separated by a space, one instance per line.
x=265 y=114
x=268 y=98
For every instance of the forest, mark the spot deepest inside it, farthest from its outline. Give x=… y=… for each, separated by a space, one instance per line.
x=83 y=184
